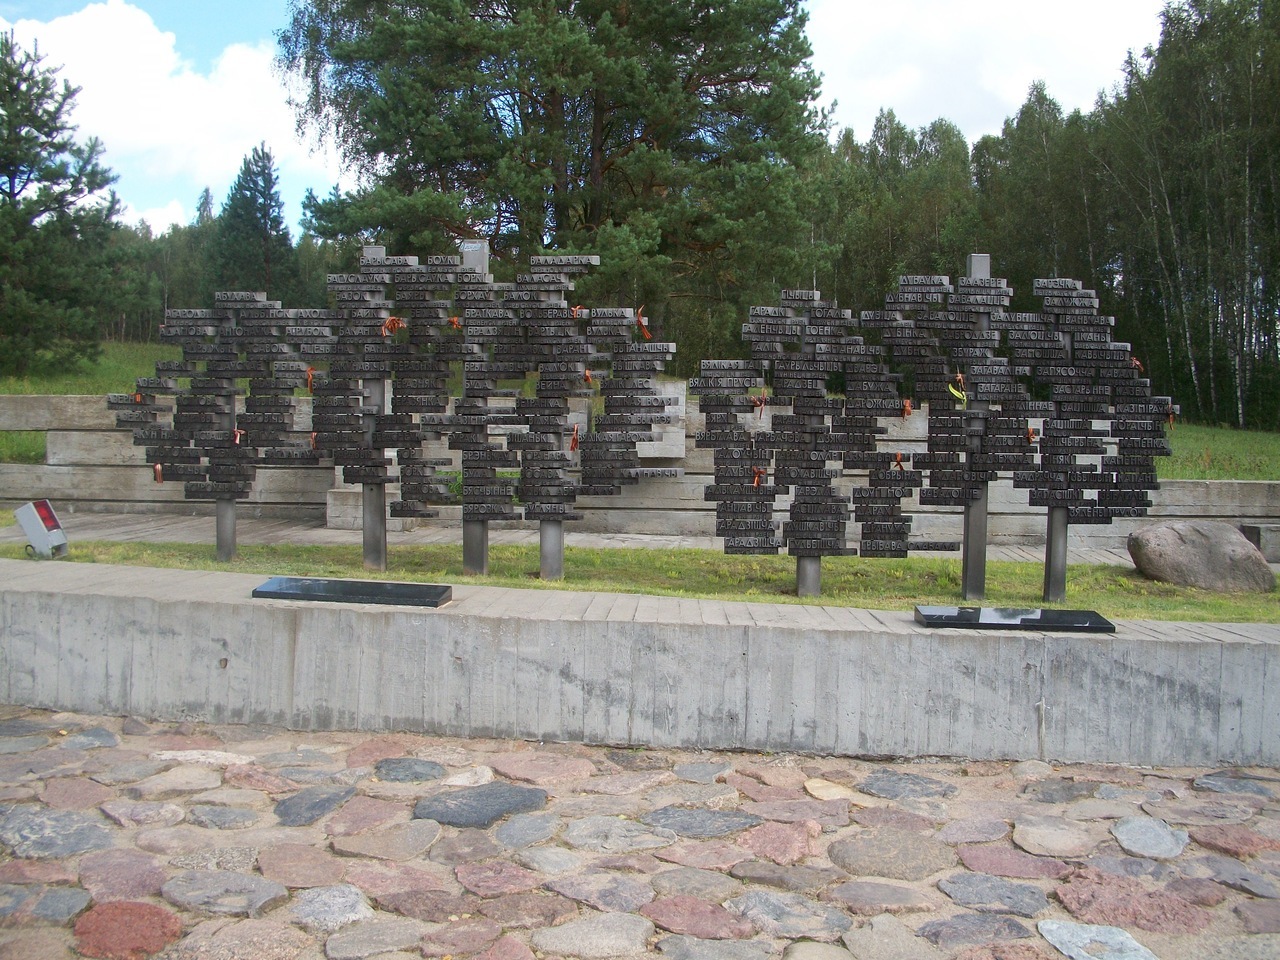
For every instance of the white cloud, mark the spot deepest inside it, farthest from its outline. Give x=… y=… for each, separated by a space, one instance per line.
x=165 y=123
x=971 y=64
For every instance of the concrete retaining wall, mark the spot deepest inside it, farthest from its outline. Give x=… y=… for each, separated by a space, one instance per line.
x=636 y=671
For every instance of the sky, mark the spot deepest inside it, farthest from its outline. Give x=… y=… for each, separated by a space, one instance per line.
x=181 y=91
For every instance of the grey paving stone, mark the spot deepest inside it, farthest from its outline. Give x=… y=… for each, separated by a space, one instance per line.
x=988 y=894
x=1236 y=875
x=804 y=878
x=613 y=835
x=790 y=915
x=693 y=882
x=372 y=937
x=687 y=822
x=888 y=938
x=481 y=806
x=326 y=909
x=310 y=804
x=594 y=938
x=1085 y=941
x=95 y=738
x=893 y=785
x=1059 y=791
x=703 y=772
x=224 y=892
x=604 y=890
x=972 y=928
x=1143 y=836
x=1228 y=781
x=237 y=859
x=549 y=860
x=60 y=905
x=526 y=829
x=13 y=745
x=407 y=770
x=36 y=833
x=894 y=854
x=691 y=948
x=221 y=818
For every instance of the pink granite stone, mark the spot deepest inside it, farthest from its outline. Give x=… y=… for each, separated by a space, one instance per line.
x=775 y=775
x=697 y=918
x=493 y=878
x=461 y=938
x=300 y=865
x=828 y=813
x=784 y=843
x=1260 y=916
x=703 y=854
x=753 y=789
x=363 y=813
x=126 y=931
x=121 y=875
x=378 y=879
x=37 y=871
x=74 y=793
x=621 y=784
x=1233 y=839
x=252 y=777
x=893 y=817
x=1099 y=898
x=506 y=948
x=1004 y=861
x=381 y=748
x=541 y=769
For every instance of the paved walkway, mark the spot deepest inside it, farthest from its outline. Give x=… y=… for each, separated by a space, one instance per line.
x=131 y=838
x=172 y=528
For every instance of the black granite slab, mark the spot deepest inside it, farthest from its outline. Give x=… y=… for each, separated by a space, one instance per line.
x=355 y=591
x=1005 y=618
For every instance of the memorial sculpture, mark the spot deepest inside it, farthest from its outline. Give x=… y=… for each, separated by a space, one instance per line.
x=410 y=324
x=1046 y=399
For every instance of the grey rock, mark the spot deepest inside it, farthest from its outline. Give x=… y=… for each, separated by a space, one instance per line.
x=408 y=770
x=94 y=738
x=526 y=829
x=606 y=935
x=221 y=818
x=1059 y=791
x=687 y=822
x=237 y=859
x=1226 y=781
x=133 y=727
x=1207 y=554
x=707 y=772
x=707 y=885
x=988 y=894
x=804 y=950
x=1133 y=867
x=36 y=833
x=1148 y=837
x=1086 y=941
x=315 y=776
x=549 y=860
x=691 y=948
x=798 y=879
x=481 y=806
x=612 y=835
x=887 y=938
x=309 y=805
x=895 y=854
x=604 y=890
x=130 y=772
x=372 y=937
x=22 y=744
x=893 y=785
x=12 y=898
x=25 y=726
x=326 y=909
x=60 y=904
x=1247 y=947
x=972 y=928
x=1236 y=875
x=297 y=758
x=790 y=915
x=871 y=898
x=224 y=892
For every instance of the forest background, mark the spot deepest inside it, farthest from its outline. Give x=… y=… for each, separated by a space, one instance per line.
x=682 y=143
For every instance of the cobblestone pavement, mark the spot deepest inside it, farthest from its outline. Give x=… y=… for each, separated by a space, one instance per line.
x=136 y=839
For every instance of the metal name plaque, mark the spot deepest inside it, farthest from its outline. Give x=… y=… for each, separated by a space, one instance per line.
x=1004 y=618
x=355 y=591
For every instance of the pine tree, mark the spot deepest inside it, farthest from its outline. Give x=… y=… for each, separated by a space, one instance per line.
x=56 y=217
x=253 y=247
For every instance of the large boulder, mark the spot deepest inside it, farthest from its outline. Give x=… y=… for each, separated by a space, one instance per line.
x=1201 y=553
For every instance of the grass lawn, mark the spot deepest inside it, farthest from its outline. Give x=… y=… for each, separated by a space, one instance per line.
x=846 y=581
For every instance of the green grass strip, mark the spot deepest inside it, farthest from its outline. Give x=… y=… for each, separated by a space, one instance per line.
x=899 y=584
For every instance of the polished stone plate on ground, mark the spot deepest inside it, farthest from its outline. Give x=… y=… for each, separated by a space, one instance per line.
x=1005 y=618
x=355 y=591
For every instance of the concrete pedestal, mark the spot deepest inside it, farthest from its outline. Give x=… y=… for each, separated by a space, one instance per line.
x=808 y=576
x=225 y=520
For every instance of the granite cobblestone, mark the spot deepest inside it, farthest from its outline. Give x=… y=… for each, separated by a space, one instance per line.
x=205 y=842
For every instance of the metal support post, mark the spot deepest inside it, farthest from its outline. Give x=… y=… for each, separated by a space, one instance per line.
x=475 y=547
x=374 y=495
x=1055 y=556
x=808 y=576
x=225 y=523
x=551 y=549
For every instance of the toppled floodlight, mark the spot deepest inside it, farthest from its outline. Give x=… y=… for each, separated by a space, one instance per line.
x=44 y=533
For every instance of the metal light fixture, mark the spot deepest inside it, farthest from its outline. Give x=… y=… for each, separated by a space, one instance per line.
x=44 y=533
